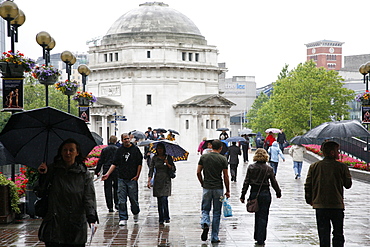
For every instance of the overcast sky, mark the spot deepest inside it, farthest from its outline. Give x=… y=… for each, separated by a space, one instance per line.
x=254 y=38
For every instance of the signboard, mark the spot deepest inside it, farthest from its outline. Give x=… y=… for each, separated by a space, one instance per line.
x=13 y=94
x=366 y=114
x=84 y=113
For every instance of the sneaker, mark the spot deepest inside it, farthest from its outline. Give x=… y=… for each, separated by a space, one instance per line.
x=296 y=176
x=122 y=222
x=204 y=235
x=136 y=218
x=215 y=241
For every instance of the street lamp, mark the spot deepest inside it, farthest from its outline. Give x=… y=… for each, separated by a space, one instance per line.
x=14 y=17
x=69 y=59
x=47 y=43
x=84 y=71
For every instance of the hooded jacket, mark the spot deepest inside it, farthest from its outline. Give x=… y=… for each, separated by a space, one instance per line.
x=297 y=152
x=71 y=204
x=274 y=151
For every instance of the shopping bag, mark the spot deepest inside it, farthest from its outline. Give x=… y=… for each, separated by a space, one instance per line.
x=228 y=212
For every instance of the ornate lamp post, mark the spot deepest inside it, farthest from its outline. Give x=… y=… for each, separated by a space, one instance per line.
x=69 y=59
x=47 y=43
x=14 y=17
x=84 y=71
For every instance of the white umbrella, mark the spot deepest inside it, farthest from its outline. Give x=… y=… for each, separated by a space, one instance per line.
x=245 y=132
x=273 y=130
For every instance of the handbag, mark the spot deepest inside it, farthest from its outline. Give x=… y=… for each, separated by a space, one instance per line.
x=171 y=171
x=252 y=204
x=41 y=206
x=228 y=212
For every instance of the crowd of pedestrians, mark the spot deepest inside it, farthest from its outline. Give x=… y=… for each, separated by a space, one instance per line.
x=120 y=167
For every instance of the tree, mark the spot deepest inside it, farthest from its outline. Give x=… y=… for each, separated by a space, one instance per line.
x=308 y=92
x=257 y=116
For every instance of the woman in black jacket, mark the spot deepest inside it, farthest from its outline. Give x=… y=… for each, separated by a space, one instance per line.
x=71 y=198
x=258 y=176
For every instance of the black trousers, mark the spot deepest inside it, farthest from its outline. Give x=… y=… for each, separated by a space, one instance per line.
x=325 y=216
x=110 y=190
x=245 y=152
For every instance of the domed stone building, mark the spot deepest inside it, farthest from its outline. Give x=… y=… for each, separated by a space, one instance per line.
x=154 y=67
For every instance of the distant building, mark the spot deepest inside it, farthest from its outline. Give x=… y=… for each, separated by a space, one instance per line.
x=325 y=53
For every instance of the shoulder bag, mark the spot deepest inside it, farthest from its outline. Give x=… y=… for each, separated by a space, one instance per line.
x=252 y=204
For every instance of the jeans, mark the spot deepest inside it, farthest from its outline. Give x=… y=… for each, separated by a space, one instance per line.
x=128 y=188
x=110 y=191
x=297 y=167
x=212 y=196
x=323 y=218
x=274 y=166
x=163 y=211
x=261 y=217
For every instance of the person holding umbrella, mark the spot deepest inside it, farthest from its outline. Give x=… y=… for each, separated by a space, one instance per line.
x=232 y=157
x=161 y=163
x=71 y=197
x=270 y=138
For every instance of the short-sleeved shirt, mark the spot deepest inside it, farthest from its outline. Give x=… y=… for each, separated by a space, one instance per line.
x=213 y=163
x=127 y=159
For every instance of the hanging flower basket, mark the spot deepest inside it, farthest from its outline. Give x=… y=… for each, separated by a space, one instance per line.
x=364 y=98
x=46 y=75
x=13 y=65
x=84 y=98
x=67 y=87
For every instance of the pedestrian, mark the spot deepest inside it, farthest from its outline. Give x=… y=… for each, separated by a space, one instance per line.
x=161 y=163
x=297 y=152
x=128 y=159
x=258 y=176
x=213 y=166
x=259 y=140
x=245 y=148
x=223 y=135
x=232 y=157
x=200 y=147
x=149 y=134
x=71 y=197
x=324 y=192
x=274 y=151
x=270 y=138
x=281 y=139
x=111 y=184
x=208 y=144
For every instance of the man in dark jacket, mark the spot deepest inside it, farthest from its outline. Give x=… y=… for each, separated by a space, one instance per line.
x=233 y=159
x=324 y=191
x=281 y=139
x=128 y=159
x=111 y=184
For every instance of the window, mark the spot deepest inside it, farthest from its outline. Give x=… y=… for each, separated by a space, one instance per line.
x=197 y=57
x=217 y=124
x=148 y=99
x=110 y=57
x=148 y=54
x=105 y=57
x=186 y=124
x=212 y=124
x=207 y=124
x=116 y=56
x=190 y=56
x=184 y=56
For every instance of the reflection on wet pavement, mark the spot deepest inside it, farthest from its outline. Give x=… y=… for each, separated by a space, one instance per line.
x=291 y=221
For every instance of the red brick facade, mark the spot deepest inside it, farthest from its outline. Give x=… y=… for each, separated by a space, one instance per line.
x=326 y=53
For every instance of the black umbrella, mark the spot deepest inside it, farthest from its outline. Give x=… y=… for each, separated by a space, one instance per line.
x=224 y=145
x=34 y=136
x=138 y=134
x=172 y=149
x=174 y=131
x=222 y=129
x=5 y=157
x=160 y=130
x=98 y=139
x=205 y=144
x=299 y=140
x=345 y=128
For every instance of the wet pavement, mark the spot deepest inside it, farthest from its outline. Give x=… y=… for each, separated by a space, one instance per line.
x=291 y=220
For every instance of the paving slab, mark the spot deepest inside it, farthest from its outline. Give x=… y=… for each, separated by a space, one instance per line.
x=291 y=220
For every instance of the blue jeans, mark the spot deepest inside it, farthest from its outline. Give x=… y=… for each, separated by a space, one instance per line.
x=274 y=166
x=297 y=167
x=163 y=211
x=323 y=218
x=127 y=188
x=261 y=217
x=212 y=196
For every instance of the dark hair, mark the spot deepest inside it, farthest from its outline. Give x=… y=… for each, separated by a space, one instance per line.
x=216 y=144
x=113 y=139
x=329 y=146
x=79 y=159
x=160 y=145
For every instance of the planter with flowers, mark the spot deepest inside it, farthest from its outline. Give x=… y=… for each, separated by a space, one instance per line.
x=13 y=65
x=46 y=75
x=84 y=98
x=9 y=200
x=364 y=98
x=67 y=87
